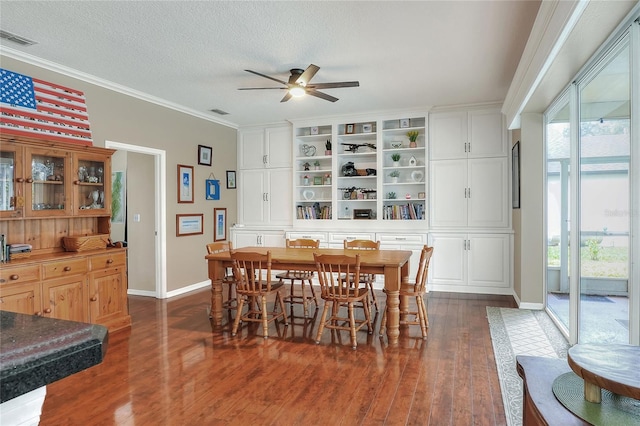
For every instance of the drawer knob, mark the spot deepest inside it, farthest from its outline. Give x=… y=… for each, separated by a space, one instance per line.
x=109 y=261
x=14 y=277
x=67 y=268
x=94 y=298
x=47 y=311
x=19 y=180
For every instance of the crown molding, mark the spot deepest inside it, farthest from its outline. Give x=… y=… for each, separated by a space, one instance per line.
x=91 y=79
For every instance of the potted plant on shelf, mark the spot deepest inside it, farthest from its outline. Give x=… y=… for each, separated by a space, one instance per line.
x=413 y=136
x=316 y=164
x=327 y=146
x=391 y=195
x=395 y=158
x=394 y=176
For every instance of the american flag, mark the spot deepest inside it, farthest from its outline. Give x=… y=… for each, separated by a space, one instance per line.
x=36 y=108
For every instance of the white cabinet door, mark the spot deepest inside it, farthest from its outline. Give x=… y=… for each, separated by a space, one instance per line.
x=488 y=193
x=251 y=149
x=255 y=238
x=278 y=147
x=246 y=239
x=448 y=135
x=278 y=199
x=262 y=148
x=467 y=134
x=252 y=196
x=448 y=185
x=488 y=263
x=478 y=262
x=487 y=134
x=265 y=198
x=449 y=262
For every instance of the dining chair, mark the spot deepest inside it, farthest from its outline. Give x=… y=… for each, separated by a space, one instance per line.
x=302 y=276
x=336 y=291
x=366 y=279
x=252 y=273
x=416 y=290
x=219 y=247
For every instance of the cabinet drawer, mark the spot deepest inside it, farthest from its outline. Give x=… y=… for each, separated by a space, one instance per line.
x=321 y=236
x=65 y=267
x=105 y=261
x=402 y=238
x=19 y=274
x=339 y=237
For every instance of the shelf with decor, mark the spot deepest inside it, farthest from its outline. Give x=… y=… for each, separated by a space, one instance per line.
x=313 y=171
x=357 y=168
x=404 y=168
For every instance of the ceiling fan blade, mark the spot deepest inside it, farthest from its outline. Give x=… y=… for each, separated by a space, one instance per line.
x=286 y=97
x=262 y=88
x=266 y=76
x=307 y=75
x=321 y=95
x=334 y=85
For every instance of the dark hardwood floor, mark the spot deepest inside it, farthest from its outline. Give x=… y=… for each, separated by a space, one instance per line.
x=171 y=368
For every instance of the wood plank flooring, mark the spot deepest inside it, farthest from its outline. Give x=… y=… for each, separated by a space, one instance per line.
x=172 y=368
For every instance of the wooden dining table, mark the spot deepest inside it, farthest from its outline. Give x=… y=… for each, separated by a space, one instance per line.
x=392 y=264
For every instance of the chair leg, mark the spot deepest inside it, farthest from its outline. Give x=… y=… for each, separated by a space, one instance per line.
x=424 y=319
x=234 y=330
x=374 y=299
x=313 y=293
x=322 y=320
x=367 y=316
x=265 y=317
x=305 y=304
x=352 y=325
x=282 y=308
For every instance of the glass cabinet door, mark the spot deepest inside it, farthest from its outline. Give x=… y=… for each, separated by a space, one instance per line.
x=46 y=194
x=12 y=181
x=92 y=172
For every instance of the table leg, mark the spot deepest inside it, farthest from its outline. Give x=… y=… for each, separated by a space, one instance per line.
x=216 y=272
x=392 y=287
x=592 y=393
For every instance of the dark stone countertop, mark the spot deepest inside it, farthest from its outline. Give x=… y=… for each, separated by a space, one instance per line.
x=36 y=351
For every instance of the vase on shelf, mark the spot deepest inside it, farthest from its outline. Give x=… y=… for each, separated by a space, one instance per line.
x=396 y=163
x=413 y=144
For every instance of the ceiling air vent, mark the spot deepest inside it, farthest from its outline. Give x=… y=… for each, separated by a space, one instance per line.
x=219 y=111
x=16 y=38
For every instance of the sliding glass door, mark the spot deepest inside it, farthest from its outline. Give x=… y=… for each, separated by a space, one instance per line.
x=604 y=200
x=589 y=135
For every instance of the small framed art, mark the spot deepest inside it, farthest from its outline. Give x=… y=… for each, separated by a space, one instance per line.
x=189 y=224
x=349 y=129
x=212 y=187
x=204 y=155
x=231 y=179
x=220 y=224
x=404 y=123
x=367 y=128
x=185 y=184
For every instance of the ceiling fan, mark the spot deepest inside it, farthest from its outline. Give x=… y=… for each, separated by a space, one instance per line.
x=298 y=84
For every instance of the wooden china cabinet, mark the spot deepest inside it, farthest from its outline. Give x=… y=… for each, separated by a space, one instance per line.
x=52 y=191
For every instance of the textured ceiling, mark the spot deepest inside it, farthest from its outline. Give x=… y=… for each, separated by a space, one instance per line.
x=406 y=55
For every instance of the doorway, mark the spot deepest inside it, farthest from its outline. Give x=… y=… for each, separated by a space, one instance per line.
x=155 y=161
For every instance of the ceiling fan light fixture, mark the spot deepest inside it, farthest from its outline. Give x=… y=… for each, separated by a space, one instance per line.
x=297 y=92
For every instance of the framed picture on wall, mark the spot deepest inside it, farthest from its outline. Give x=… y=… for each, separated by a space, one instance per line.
x=231 y=179
x=219 y=224
x=204 y=155
x=189 y=224
x=515 y=175
x=185 y=184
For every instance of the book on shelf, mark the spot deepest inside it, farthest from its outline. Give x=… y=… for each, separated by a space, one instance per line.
x=409 y=211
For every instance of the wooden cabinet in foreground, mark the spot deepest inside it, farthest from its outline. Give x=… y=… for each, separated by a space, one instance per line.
x=52 y=192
